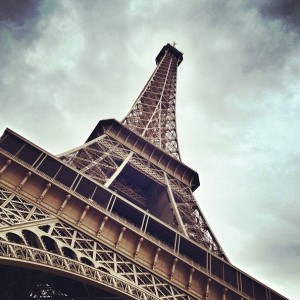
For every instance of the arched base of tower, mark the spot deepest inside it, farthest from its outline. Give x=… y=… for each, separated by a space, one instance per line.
x=25 y=284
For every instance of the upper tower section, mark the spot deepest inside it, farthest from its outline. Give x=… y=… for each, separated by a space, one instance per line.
x=152 y=116
x=170 y=49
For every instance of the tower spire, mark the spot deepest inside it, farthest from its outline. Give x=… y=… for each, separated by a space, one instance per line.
x=152 y=116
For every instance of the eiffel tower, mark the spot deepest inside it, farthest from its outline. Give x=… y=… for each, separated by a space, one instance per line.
x=114 y=218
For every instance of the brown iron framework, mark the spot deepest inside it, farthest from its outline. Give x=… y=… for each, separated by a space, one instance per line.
x=116 y=217
x=152 y=115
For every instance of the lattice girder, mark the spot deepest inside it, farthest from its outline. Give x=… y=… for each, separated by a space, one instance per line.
x=99 y=159
x=190 y=214
x=84 y=250
x=30 y=257
x=153 y=114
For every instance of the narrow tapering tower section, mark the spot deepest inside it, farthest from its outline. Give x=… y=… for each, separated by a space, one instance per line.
x=152 y=116
x=114 y=218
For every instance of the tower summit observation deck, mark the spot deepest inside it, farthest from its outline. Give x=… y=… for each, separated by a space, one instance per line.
x=114 y=218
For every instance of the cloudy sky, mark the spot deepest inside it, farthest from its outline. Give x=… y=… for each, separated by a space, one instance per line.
x=67 y=64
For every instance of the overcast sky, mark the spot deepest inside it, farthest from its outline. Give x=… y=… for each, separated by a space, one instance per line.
x=67 y=64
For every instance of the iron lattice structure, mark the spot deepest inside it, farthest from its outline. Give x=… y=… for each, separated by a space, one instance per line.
x=116 y=217
x=152 y=116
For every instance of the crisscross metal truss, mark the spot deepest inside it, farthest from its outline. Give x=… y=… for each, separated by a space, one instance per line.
x=104 y=158
x=153 y=114
x=11 y=251
x=99 y=159
x=194 y=221
x=36 y=237
x=15 y=211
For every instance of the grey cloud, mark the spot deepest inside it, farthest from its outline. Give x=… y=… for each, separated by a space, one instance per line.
x=18 y=11
x=287 y=11
x=19 y=18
